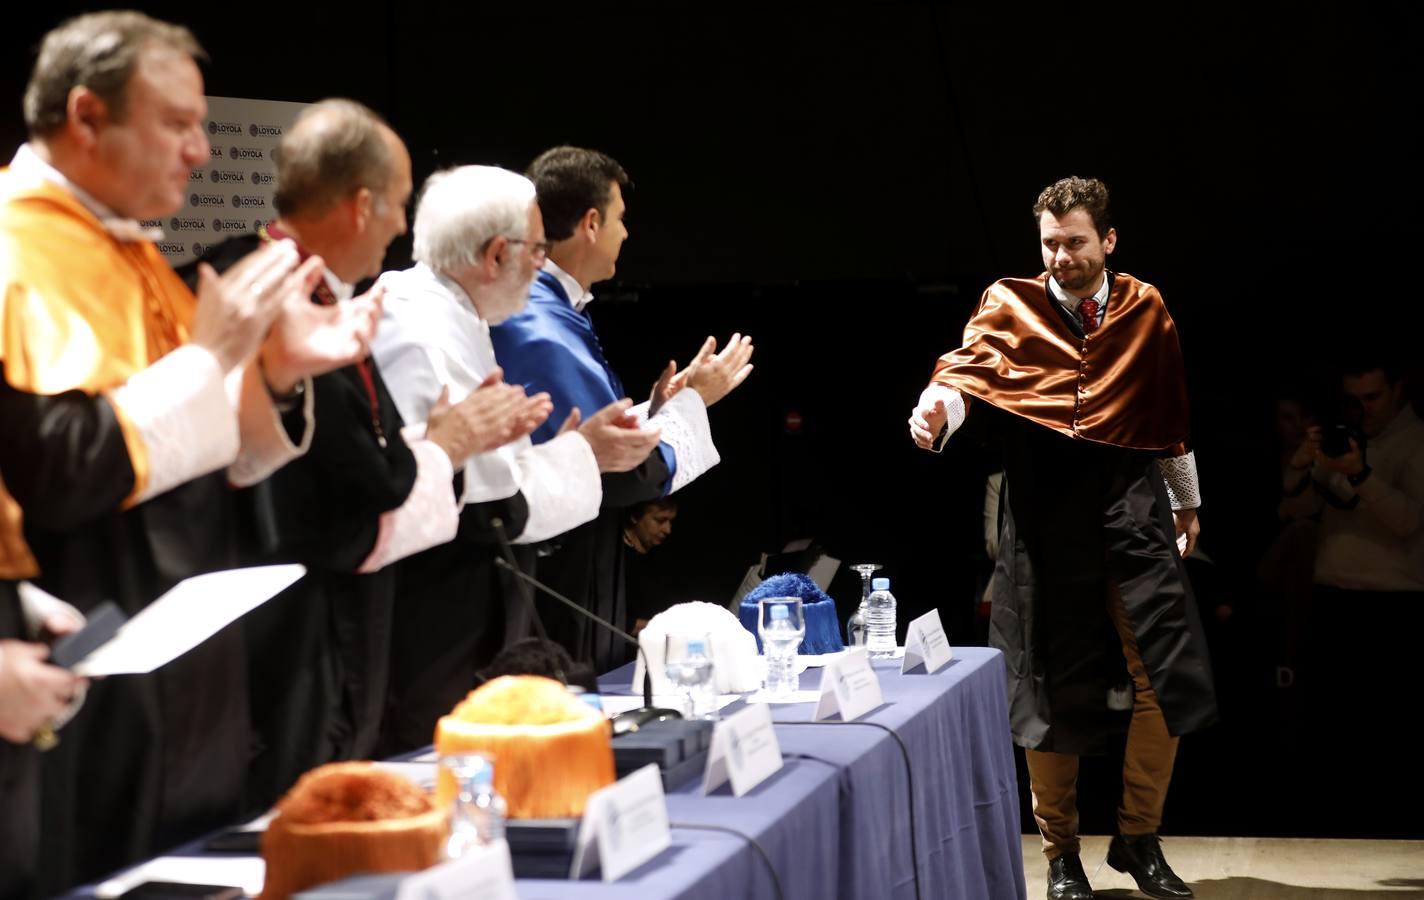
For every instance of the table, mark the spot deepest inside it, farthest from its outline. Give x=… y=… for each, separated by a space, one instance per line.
x=955 y=727
x=834 y=821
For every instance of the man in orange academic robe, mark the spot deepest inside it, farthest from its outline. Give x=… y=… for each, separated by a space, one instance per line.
x=129 y=407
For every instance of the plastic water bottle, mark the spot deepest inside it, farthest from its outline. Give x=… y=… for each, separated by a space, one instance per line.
x=880 y=621
x=478 y=817
x=781 y=639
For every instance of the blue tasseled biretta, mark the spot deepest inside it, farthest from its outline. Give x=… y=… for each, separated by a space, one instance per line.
x=823 y=630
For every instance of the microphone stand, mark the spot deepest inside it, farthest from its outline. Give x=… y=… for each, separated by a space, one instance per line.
x=512 y=565
x=633 y=719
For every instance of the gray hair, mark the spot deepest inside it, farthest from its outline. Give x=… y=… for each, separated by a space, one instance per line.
x=335 y=148
x=462 y=209
x=99 y=51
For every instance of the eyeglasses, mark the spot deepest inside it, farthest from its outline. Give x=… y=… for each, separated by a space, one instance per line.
x=537 y=249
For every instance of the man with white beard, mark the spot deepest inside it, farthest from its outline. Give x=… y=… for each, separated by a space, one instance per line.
x=479 y=240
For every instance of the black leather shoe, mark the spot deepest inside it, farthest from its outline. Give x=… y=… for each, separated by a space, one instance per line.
x=1067 y=880
x=1140 y=855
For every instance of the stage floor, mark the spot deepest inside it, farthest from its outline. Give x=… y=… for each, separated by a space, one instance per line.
x=1260 y=868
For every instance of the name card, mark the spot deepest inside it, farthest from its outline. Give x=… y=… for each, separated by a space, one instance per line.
x=483 y=873
x=628 y=821
x=926 y=643
x=849 y=686
x=744 y=751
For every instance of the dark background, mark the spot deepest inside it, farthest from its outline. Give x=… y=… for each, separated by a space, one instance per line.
x=842 y=181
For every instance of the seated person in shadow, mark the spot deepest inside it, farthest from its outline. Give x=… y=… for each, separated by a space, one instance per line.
x=540 y=656
x=645 y=527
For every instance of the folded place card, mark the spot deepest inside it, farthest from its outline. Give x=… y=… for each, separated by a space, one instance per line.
x=482 y=873
x=849 y=686
x=628 y=823
x=925 y=642
x=744 y=751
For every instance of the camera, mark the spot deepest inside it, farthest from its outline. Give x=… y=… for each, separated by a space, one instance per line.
x=1340 y=422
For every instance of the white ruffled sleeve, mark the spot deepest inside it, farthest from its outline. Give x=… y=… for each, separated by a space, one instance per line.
x=683 y=425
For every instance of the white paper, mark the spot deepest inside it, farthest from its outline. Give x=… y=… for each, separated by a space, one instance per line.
x=824 y=659
x=627 y=821
x=617 y=703
x=245 y=872
x=744 y=751
x=849 y=686
x=193 y=611
x=483 y=873
x=749 y=583
x=794 y=697
x=925 y=642
x=823 y=570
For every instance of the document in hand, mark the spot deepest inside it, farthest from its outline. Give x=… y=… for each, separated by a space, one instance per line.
x=193 y=611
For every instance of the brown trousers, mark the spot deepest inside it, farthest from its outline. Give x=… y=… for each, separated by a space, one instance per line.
x=1146 y=767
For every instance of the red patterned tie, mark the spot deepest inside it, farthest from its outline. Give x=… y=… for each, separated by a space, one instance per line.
x=1088 y=311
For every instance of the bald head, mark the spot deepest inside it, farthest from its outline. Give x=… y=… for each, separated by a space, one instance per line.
x=343 y=181
x=335 y=148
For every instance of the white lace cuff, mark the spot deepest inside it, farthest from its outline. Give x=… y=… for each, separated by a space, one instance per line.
x=428 y=516
x=494 y=475
x=562 y=486
x=265 y=444
x=1180 y=473
x=181 y=413
x=684 y=427
x=954 y=406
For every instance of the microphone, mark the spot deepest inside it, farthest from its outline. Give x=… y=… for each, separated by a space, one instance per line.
x=512 y=565
x=633 y=719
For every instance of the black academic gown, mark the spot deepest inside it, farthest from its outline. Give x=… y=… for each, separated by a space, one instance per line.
x=19 y=783
x=151 y=760
x=1079 y=518
x=319 y=652
x=456 y=611
x=588 y=567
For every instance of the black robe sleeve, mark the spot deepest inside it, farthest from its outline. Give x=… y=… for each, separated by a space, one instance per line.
x=647 y=482
x=324 y=508
x=64 y=456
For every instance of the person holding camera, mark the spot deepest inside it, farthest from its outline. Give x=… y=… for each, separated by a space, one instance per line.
x=1360 y=474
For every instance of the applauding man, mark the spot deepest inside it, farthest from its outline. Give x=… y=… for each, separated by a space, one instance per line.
x=551 y=346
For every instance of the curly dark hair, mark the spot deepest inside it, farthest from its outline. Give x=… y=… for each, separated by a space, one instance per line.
x=1067 y=194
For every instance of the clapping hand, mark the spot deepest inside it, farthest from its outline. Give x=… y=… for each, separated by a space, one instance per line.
x=491 y=416
x=711 y=374
x=308 y=339
x=618 y=443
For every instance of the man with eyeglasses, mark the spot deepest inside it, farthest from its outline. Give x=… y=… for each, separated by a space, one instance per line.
x=479 y=240
x=370 y=490
x=552 y=346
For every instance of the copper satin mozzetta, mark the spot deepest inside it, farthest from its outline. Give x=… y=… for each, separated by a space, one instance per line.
x=1122 y=385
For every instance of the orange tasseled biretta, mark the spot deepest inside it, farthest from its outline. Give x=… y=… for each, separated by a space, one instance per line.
x=345 y=818
x=550 y=749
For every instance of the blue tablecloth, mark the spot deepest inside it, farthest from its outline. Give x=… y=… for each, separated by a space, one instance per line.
x=954 y=724
x=835 y=820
